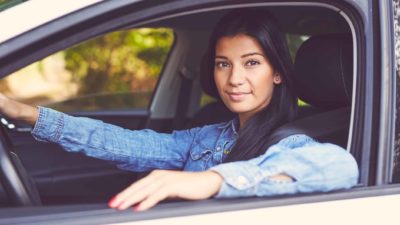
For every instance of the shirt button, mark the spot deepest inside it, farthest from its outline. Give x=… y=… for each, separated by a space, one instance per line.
x=242 y=181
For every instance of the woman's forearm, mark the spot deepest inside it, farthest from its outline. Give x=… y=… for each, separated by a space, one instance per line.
x=26 y=113
x=18 y=111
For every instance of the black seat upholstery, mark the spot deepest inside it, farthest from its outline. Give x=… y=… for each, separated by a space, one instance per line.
x=323 y=71
x=323 y=79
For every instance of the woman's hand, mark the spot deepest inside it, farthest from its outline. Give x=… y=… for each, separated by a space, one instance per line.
x=162 y=184
x=17 y=110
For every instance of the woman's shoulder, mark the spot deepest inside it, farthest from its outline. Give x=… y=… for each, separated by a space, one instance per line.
x=297 y=140
x=302 y=140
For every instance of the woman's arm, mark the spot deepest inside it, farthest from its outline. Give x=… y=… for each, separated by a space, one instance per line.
x=18 y=111
x=302 y=167
x=163 y=184
x=135 y=150
x=312 y=167
x=131 y=150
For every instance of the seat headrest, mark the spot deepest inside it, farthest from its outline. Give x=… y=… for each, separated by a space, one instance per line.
x=324 y=71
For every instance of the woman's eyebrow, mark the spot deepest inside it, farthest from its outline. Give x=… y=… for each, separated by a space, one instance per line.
x=243 y=56
x=251 y=54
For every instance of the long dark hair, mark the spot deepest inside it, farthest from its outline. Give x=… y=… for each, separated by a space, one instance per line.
x=253 y=137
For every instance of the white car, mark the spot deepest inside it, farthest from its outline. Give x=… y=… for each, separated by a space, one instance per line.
x=346 y=54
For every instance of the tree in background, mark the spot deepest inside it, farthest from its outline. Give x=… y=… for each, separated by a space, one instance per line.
x=121 y=61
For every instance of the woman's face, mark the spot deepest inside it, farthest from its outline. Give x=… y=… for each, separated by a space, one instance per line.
x=243 y=75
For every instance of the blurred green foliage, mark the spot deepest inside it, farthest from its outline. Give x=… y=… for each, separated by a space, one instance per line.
x=5 y=4
x=122 y=61
x=94 y=102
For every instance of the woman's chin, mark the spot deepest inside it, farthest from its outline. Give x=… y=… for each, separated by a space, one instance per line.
x=239 y=107
x=237 y=110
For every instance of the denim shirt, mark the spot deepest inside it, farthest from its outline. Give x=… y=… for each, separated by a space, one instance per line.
x=314 y=167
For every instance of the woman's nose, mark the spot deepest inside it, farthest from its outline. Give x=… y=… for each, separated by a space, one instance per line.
x=237 y=76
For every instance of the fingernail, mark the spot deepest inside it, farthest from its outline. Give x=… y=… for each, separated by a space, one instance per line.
x=111 y=203
x=136 y=208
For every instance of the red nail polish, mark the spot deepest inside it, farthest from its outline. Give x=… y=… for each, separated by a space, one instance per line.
x=136 y=208
x=111 y=203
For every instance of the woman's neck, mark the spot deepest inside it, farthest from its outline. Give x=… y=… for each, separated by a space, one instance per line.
x=243 y=118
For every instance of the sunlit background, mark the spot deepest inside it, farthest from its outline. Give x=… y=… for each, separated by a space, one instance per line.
x=117 y=70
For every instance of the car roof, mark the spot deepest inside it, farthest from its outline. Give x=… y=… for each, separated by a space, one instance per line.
x=36 y=13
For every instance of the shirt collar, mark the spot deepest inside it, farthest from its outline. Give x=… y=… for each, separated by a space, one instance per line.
x=232 y=124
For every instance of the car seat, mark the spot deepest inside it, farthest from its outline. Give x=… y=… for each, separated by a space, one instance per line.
x=323 y=79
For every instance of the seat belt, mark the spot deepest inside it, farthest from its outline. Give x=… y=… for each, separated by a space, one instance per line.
x=318 y=126
x=182 y=105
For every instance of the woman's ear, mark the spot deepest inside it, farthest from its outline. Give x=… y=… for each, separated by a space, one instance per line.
x=277 y=78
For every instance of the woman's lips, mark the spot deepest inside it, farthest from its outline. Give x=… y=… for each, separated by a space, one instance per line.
x=237 y=96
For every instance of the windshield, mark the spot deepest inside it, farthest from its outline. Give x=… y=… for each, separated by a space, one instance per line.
x=5 y=4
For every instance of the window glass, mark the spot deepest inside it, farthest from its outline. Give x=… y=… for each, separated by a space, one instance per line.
x=118 y=70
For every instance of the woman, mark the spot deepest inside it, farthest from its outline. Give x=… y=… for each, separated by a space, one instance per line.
x=252 y=71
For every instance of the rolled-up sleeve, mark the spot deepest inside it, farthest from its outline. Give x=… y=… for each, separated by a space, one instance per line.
x=314 y=167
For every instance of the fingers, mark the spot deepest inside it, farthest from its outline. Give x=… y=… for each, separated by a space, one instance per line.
x=135 y=187
x=140 y=192
x=160 y=185
x=139 y=195
x=153 y=199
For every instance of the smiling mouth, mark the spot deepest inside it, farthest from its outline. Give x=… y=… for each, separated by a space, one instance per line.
x=237 y=96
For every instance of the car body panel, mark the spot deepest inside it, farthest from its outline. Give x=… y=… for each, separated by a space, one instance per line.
x=359 y=204
x=37 y=13
x=310 y=213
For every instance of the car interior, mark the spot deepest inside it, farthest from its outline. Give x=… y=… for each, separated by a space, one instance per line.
x=322 y=44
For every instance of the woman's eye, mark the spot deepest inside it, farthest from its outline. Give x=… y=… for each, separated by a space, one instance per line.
x=252 y=63
x=221 y=64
